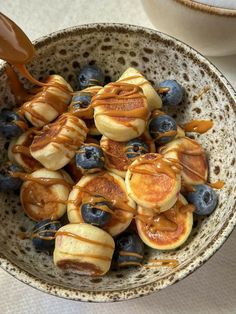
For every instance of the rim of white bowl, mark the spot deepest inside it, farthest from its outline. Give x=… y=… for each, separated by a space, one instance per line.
x=192 y=4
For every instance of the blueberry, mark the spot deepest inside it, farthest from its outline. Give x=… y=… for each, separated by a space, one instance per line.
x=174 y=95
x=129 y=250
x=89 y=157
x=93 y=213
x=162 y=128
x=204 y=198
x=7 y=182
x=43 y=235
x=81 y=100
x=8 y=127
x=136 y=147
x=90 y=75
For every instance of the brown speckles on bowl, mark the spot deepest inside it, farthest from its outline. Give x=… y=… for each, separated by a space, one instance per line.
x=114 y=48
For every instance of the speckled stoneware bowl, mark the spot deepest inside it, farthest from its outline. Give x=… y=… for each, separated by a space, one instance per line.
x=114 y=48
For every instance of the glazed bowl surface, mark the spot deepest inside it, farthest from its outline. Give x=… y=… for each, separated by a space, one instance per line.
x=115 y=47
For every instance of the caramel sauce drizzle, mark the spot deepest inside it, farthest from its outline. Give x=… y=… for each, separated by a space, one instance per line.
x=162 y=262
x=41 y=180
x=101 y=257
x=83 y=239
x=124 y=253
x=21 y=149
x=160 y=222
x=167 y=133
x=217 y=185
x=115 y=203
x=198 y=126
x=160 y=166
x=16 y=86
x=21 y=124
x=159 y=263
x=93 y=200
x=197 y=152
x=162 y=90
x=68 y=141
x=128 y=91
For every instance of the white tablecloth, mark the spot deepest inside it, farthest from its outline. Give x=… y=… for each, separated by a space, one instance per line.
x=212 y=288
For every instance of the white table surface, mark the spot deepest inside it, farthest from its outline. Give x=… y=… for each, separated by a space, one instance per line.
x=212 y=288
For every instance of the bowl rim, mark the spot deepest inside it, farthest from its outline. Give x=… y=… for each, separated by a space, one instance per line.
x=189 y=266
x=215 y=10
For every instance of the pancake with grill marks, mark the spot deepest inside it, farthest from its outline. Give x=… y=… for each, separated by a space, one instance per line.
x=153 y=182
x=112 y=188
x=120 y=111
x=116 y=159
x=192 y=158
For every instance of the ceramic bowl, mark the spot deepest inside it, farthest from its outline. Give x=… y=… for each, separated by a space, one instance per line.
x=209 y=29
x=114 y=47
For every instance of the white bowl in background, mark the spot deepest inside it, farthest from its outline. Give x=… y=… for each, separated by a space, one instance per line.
x=209 y=29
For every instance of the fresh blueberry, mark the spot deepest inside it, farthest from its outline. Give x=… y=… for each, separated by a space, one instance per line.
x=174 y=94
x=8 y=127
x=7 y=182
x=43 y=235
x=135 y=148
x=129 y=250
x=89 y=157
x=81 y=100
x=94 y=213
x=204 y=198
x=90 y=75
x=162 y=128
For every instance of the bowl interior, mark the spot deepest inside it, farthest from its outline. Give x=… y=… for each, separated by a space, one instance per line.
x=114 y=48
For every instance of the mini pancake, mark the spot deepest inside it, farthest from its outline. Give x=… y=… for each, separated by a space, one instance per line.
x=168 y=230
x=48 y=102
x=116 y=159
x=19 y=151
x=133 y=76
x=44 y=194
x=120 y=111
x=191 y=156
x=58 y=142
x=112 y=188
x=83 y=249
x=153 y=182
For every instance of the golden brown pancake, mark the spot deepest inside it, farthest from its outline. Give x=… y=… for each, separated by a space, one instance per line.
x=120 y=111
x=44 y=194
x=153 y=182
x=133 y=76
x=19 y=151
x=112 y=188
x=84 y=249
x=58 y=141
x=167 y=230
x=191 y=156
